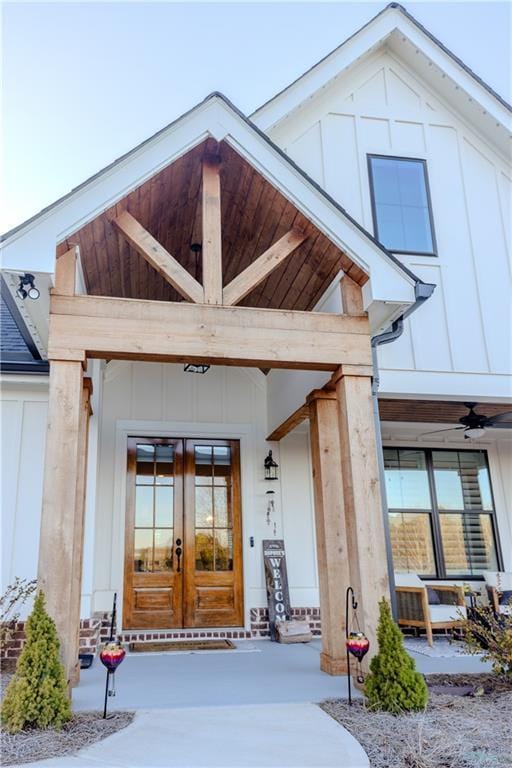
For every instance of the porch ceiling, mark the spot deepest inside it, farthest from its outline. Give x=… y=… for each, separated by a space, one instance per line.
x=434 y=411
x=254 y=215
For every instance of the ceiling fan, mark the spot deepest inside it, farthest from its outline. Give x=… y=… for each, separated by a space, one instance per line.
x=475 y=424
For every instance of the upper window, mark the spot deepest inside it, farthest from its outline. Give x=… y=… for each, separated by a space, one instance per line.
x=402 y=215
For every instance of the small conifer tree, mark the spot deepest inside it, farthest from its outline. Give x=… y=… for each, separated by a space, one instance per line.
x=37 y=696
x=393 y=684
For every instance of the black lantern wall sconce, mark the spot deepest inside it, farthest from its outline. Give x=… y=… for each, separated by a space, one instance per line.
x=27 y=287
x=271 y=468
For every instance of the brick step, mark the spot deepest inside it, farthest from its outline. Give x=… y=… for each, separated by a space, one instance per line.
x=214 y=634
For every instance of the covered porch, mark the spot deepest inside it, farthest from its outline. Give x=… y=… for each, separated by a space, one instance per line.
x=213 y=261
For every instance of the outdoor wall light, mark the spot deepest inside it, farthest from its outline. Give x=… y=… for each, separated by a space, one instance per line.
x=192 y=368
x=271 y=467
x=32 y=292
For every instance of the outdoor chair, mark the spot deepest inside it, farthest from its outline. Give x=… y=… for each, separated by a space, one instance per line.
x=428 y=606
x=499 y=590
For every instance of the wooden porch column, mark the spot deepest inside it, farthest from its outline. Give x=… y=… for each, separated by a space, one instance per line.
x=331 y=538
x=63 y=471
x=78 y=550
x=363 y=511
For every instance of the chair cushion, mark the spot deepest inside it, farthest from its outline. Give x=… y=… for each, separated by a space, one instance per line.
x=505 y=609
x=408 y=580
x=505 y=598
x=444 y=613
x=433 y=597
x=499 y=579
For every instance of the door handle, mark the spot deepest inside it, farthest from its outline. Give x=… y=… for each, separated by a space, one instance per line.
x=178 y=551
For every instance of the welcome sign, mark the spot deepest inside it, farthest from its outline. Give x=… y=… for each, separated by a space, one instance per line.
x=276 y=578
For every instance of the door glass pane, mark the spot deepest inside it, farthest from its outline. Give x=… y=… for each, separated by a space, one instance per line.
x=164 y=464
x=222 y=513
x=222 y=462
x=411 y=541
x=406 y=479
x=164 y=499
x=468 y=543
x=462 y=480
x=204 y=550
x=204 y=468
x=143 y=550
x=163 y=549
x=143 y=506
x=145 y=463
x=223 y=550
x=204 y=507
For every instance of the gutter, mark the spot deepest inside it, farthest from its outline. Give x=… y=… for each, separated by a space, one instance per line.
x=422 y=292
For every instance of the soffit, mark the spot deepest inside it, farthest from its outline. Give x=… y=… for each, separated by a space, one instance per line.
x=254 y=215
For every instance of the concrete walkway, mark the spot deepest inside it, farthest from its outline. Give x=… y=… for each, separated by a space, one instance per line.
x=263 y=736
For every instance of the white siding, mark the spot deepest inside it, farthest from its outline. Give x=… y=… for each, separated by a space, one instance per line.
x=23 y=419
x=380 y=107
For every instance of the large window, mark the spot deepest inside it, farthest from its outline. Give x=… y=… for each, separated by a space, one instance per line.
x=402 y=215
x=441 y=512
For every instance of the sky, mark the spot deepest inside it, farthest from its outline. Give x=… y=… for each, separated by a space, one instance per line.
x=82 y=83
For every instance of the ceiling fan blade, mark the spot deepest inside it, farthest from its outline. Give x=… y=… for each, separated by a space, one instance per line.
x=507 y=416
x=498 y=425
x=437 y=431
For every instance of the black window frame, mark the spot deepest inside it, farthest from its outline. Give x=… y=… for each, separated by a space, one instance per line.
x=435 y=513
x=369 y=158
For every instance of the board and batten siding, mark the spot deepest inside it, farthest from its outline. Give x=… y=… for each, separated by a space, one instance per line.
x=460 y=342
x=23 y=412
x=155 y=399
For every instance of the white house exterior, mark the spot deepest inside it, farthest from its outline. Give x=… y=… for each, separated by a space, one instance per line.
x=390 y=93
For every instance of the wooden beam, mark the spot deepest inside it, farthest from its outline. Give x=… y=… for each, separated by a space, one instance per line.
x=65 y=273
x=363 y=507
x=178 y=332
x=331 y=535
x=62 y=479
x=351 y=296
x=256 y=272
x=212 y=233
x=290 y=423
x=157 y=256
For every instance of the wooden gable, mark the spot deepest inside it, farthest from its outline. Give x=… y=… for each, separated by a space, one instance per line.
x=254 y=216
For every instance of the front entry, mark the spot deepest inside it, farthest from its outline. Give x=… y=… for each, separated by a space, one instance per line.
x=183 y=545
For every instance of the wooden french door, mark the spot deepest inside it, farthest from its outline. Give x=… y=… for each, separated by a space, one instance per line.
x=183 y=542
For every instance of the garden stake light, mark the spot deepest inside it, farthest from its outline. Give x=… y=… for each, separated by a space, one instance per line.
x=356 y=643
x=111 y=657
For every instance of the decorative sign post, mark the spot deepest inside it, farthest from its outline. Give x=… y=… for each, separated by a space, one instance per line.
x=276 y=578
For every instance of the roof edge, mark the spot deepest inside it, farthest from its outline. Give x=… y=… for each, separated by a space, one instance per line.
x=418 y=25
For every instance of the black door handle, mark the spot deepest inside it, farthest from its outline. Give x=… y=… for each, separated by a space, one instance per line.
x=178 y=551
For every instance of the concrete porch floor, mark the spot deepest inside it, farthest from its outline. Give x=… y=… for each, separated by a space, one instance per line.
x=268 y=673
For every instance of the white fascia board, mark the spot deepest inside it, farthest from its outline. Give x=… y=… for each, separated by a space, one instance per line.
x=481 y=387
x=369 y=38
x=35 y=243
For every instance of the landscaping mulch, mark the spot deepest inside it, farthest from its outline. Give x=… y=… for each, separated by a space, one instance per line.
x=36 y=744
x=455 y=731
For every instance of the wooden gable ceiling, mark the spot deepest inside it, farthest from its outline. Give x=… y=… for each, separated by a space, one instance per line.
x=254 y=215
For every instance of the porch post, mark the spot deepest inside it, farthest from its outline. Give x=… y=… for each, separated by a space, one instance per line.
x=78 y=549
x=331 y=538
x=61 y=507
x=361 y=490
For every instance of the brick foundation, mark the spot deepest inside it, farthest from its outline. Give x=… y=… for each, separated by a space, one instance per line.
x=96 y=631
x=259 y=621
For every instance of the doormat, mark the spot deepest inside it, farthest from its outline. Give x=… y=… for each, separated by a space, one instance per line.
x=182 y=645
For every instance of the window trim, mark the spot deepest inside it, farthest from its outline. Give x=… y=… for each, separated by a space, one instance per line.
x=369 y=157
x=434 y=512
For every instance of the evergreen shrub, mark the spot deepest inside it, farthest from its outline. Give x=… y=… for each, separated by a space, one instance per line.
x=393 y=684
x=37 y=696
